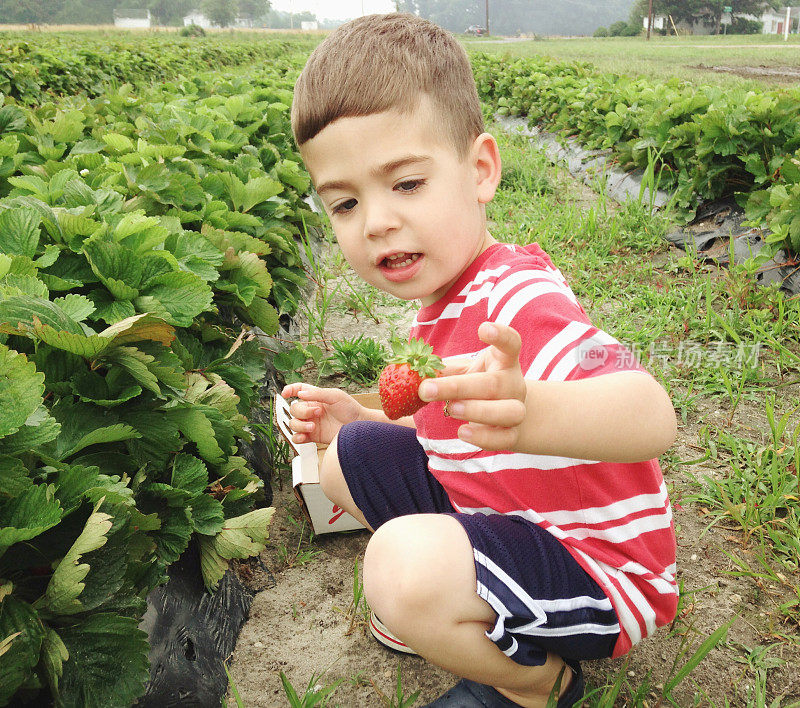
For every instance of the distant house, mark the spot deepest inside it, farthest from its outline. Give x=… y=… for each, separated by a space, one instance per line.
x=659 y=22
x=195 y=17
x=309 y=26
x=132 y=19
x=663 y=22
x=774 y=21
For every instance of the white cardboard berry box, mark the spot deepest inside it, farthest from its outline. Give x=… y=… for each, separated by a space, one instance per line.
x=323 y=515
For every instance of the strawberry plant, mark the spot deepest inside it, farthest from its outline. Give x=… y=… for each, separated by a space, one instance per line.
x=711 y=142
x=143 y=235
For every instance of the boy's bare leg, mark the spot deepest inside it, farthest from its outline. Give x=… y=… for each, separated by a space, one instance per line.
x=419 y=578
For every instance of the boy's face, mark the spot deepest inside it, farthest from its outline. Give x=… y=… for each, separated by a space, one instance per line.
x=407 y=212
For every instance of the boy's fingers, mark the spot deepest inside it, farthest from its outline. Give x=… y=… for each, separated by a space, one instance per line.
x=506 y=413
x=488 y=437
x=301 y=409
x=503 y=338
x=307 y=392
x=484 y=385
x=454 y=367
x=301 y=426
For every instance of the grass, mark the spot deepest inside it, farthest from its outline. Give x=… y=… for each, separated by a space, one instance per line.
x=667 y=57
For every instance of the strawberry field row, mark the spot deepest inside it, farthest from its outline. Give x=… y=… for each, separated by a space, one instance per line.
x=709 y=142
x=135 y=230
x=71 y=63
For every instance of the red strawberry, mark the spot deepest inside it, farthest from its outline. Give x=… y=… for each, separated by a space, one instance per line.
x=398 y=386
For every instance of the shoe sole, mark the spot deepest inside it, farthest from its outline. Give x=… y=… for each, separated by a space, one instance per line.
x=385 y=637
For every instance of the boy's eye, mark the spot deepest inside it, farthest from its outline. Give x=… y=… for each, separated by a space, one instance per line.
x=410 y=185
x=345 y=207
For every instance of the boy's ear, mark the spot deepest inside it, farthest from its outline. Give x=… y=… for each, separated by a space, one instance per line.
x=485 y=157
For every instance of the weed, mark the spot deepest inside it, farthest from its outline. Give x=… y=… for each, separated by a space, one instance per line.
x=278 y=449
x=399 y=699
x=236 y=696
x=361 y=359
x=298 y=555
x=314 y=694
x=358 y=612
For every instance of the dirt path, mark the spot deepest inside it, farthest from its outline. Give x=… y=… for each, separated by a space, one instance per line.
x=299 y=623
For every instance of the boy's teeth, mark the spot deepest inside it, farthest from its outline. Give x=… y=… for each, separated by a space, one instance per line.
x=401 y=260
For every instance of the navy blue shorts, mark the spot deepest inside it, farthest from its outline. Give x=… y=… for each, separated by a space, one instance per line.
x=544 y=601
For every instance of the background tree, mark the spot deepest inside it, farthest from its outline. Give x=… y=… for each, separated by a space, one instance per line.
x=28 y=11
x=168 y=12
x=254 y=9
x=221 y=12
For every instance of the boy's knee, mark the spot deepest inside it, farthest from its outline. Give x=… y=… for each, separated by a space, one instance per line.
x=405 y=566
x=330 y=472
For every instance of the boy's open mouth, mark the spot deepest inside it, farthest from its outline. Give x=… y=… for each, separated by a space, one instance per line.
x=399 y=260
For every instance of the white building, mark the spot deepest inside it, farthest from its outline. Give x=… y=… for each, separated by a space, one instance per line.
x=195 y=17
x=774 y=21
x=659 y=22
x=132 y=19
x=309 y=26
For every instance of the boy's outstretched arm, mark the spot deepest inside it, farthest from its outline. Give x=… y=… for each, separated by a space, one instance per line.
x=620 y=417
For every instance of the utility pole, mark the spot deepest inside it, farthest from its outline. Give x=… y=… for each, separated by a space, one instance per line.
x=487 y=17
x=649 y=18
x=788 y=22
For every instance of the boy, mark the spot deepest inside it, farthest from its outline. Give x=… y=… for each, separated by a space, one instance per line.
x=521 y=523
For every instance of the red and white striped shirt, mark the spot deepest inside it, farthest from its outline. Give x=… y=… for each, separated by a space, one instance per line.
x=614 y=518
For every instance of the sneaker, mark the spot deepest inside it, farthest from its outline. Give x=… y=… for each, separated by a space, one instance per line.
x=381 y=632
x=469 y=694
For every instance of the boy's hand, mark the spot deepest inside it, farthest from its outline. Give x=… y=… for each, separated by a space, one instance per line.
x=320 y=413
x=488 y=392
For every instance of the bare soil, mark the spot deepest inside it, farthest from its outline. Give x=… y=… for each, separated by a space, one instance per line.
x=783 y=74
x=299 y=622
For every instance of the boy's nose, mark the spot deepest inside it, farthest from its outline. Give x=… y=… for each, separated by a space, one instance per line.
x=380 y=219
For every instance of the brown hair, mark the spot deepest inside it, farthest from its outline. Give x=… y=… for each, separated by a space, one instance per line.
x=382 y=62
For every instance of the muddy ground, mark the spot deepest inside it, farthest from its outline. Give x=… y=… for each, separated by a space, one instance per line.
x=299 y=622
x=782 y=74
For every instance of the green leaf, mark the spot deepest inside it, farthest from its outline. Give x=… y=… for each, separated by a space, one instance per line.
x=108 y=665
x=263 y=315
x=40 y=428
x=208 y=514
x=21 y=311
x=14 y=478
x=259 y=190
x=136 y=363
x=189 y=473
x=19 y=231
x=66 y=583
x=117 y=267
x=78 y=307
x=20 y=620
x=54 y=654
x=118 y=143
x=196 y=426
x=26 y=516
x=178 y=297
x=240 y=537
x=21 y=390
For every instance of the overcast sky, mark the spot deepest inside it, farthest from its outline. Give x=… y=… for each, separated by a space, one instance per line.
x=334 y=9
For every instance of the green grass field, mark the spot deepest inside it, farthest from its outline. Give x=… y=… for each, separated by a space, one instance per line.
x=666 y=57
